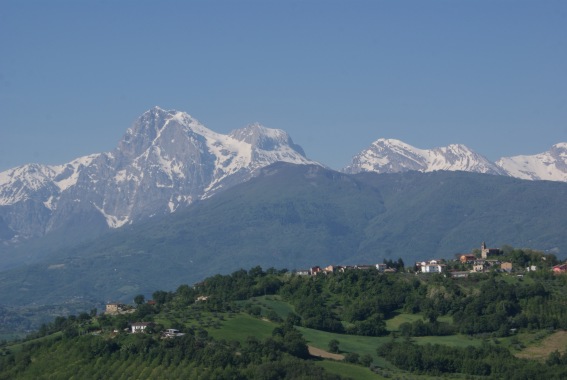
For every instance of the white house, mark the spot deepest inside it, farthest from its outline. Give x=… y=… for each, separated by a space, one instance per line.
x=432 y=266
x=138 y=327
x=381 y=267
x=171 y=333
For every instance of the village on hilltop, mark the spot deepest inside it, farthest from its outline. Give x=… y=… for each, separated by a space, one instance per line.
x=485 y=260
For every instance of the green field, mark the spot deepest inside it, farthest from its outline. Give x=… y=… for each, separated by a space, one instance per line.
x=241 y=327
x=362 y=345
x=267 y=303
x=393 y=324
x=275 y=303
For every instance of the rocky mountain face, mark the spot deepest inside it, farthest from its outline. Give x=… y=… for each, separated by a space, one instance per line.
x=550 y=165
x=393 y=156
x=165 y=161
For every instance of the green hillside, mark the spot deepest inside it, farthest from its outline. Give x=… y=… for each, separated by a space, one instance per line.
x=272 y=324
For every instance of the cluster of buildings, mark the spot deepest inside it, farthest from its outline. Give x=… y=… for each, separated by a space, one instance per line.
x=485 y=262
x=477 y=265
x=115 y=308
x=314 y=271
x=482 y=264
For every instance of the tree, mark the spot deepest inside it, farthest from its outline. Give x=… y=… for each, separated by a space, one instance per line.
x=366 y=360
x=139 y=299
x=273 y=316
x=334 y=346
x=293 y=319
x=431 y=315
x=161 y=297
x=352 y=357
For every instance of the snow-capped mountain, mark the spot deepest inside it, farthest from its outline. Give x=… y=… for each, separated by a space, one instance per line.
x=392 y=156
x=550 y=165
x=166 y=160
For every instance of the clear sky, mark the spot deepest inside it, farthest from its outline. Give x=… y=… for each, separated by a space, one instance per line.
x=336 y=75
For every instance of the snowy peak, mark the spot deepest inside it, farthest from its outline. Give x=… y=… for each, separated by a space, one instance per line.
x=32 y=181
x=391 y=156
x=170 y=154
x=151 y=125
x=550 y=165
x=166 y=160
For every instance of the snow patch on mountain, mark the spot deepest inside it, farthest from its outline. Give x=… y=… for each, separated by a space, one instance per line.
x=68 y=174
x=550 y=165
x=113 y=221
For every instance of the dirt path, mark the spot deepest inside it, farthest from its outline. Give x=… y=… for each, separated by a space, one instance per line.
x=314 y=351
x=556 y=341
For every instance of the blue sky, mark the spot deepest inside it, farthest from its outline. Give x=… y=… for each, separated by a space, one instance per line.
x=336 y=75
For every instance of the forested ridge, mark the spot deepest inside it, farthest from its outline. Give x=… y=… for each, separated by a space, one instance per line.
x=253 y=324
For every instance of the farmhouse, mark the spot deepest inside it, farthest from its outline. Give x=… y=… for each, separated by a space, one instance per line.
x=172 y=333
x=432 y=266
x=138 y=327
x=114 y=308
x=479 y=266
x=381 y=267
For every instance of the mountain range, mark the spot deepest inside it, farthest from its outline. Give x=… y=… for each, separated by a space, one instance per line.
x=394 y=156
x=175 y=202
x=167 y=160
